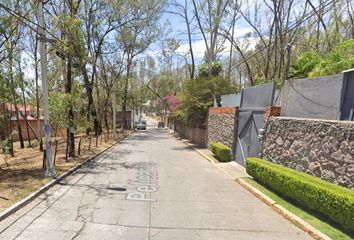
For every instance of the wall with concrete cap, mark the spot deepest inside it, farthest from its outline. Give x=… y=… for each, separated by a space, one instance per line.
x=221 y=125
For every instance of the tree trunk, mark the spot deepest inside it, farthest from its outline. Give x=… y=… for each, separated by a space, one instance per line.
x=124 y=106
x=91 y=110
x=14 y=99
x=105 y=113
x=192 y=70
x=218 y=100
x=70 y=135
x=19 y=125
x=106 y=121
x=125 y=97
x=25 y=107
x=95 y=78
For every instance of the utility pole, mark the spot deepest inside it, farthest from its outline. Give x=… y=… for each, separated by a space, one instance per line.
x=288 y=48
x=50 y=172
x=114 y=113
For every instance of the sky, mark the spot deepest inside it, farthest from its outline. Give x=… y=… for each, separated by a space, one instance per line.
x=178 y=31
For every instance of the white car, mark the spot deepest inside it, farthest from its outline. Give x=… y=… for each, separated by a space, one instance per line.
x=141 y=125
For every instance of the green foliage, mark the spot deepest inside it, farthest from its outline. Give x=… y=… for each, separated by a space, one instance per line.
x=196 y=98
x=198 y=94
x=221 y=152
x=216 y=69
x=339 y=59
x=6 y=146
x=312 y=64
x=71 y=28
x=58 y=105
x=305 y=64
x=331 y=201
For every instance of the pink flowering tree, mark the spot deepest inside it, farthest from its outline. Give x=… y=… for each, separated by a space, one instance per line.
x=171 y=101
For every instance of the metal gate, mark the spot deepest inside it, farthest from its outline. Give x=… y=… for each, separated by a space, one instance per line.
x=347 y=103
x=250 y=120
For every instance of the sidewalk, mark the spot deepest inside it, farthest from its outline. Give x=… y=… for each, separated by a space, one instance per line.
x=232 y=169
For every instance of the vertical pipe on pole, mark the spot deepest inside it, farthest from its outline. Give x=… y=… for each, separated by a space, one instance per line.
x=50 y=172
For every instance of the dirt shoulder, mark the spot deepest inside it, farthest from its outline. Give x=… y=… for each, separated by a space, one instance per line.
x=23 y=173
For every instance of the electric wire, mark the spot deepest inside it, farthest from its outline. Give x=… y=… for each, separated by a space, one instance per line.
x=297 y=24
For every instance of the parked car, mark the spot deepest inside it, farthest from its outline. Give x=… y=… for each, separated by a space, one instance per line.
x=161 y=125
x=141 y=125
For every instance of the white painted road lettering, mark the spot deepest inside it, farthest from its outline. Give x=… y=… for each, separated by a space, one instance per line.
x=138 y=196
x=146 y=189
x=146 y=180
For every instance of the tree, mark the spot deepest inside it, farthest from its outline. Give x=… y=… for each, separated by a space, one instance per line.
x=181 y=9
x=305 y=64
x=198 y=95
x=339 y=59
x=136 y=36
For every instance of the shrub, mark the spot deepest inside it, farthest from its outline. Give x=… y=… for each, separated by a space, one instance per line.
x=338 y=59
x=6 y=146
x=305 y=64
x=334 y=202
x=221 y=152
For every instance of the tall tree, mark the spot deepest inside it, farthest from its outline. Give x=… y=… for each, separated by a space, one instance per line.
x=181 y=9
x=136 y=36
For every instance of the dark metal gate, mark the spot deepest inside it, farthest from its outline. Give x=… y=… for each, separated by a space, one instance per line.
x=347 y=102
x=250 y=120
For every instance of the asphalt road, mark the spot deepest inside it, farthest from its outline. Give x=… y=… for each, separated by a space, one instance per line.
x=151 y=186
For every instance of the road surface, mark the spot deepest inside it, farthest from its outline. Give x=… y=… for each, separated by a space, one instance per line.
x=151 y=186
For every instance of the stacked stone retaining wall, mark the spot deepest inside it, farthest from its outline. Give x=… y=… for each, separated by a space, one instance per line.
x=221 y=125
x=322 y=148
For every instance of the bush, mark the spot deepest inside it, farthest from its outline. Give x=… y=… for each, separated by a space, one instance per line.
x=6 y=146
x=221 y=152
x=305 y=64
x=338 y=59
x=334 y=202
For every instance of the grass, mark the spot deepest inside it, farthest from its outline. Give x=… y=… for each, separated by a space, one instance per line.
x=307 y=216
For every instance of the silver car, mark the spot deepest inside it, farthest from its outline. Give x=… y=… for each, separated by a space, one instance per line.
x=141 y=125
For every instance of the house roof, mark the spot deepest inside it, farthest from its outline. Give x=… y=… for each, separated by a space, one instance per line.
x=21 y=107
x=28 y=117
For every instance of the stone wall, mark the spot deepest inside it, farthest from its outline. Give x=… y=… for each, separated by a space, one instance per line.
x=221 y=125
x=322 y=148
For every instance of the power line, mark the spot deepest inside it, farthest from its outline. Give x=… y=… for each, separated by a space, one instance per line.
x=21 y=17
x=297 y=24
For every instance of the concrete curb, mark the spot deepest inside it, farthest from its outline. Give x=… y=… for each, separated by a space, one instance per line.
x=256 y=192
x=210 y=159
x=17 y=206
x=295 y=220
x=213 y=161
